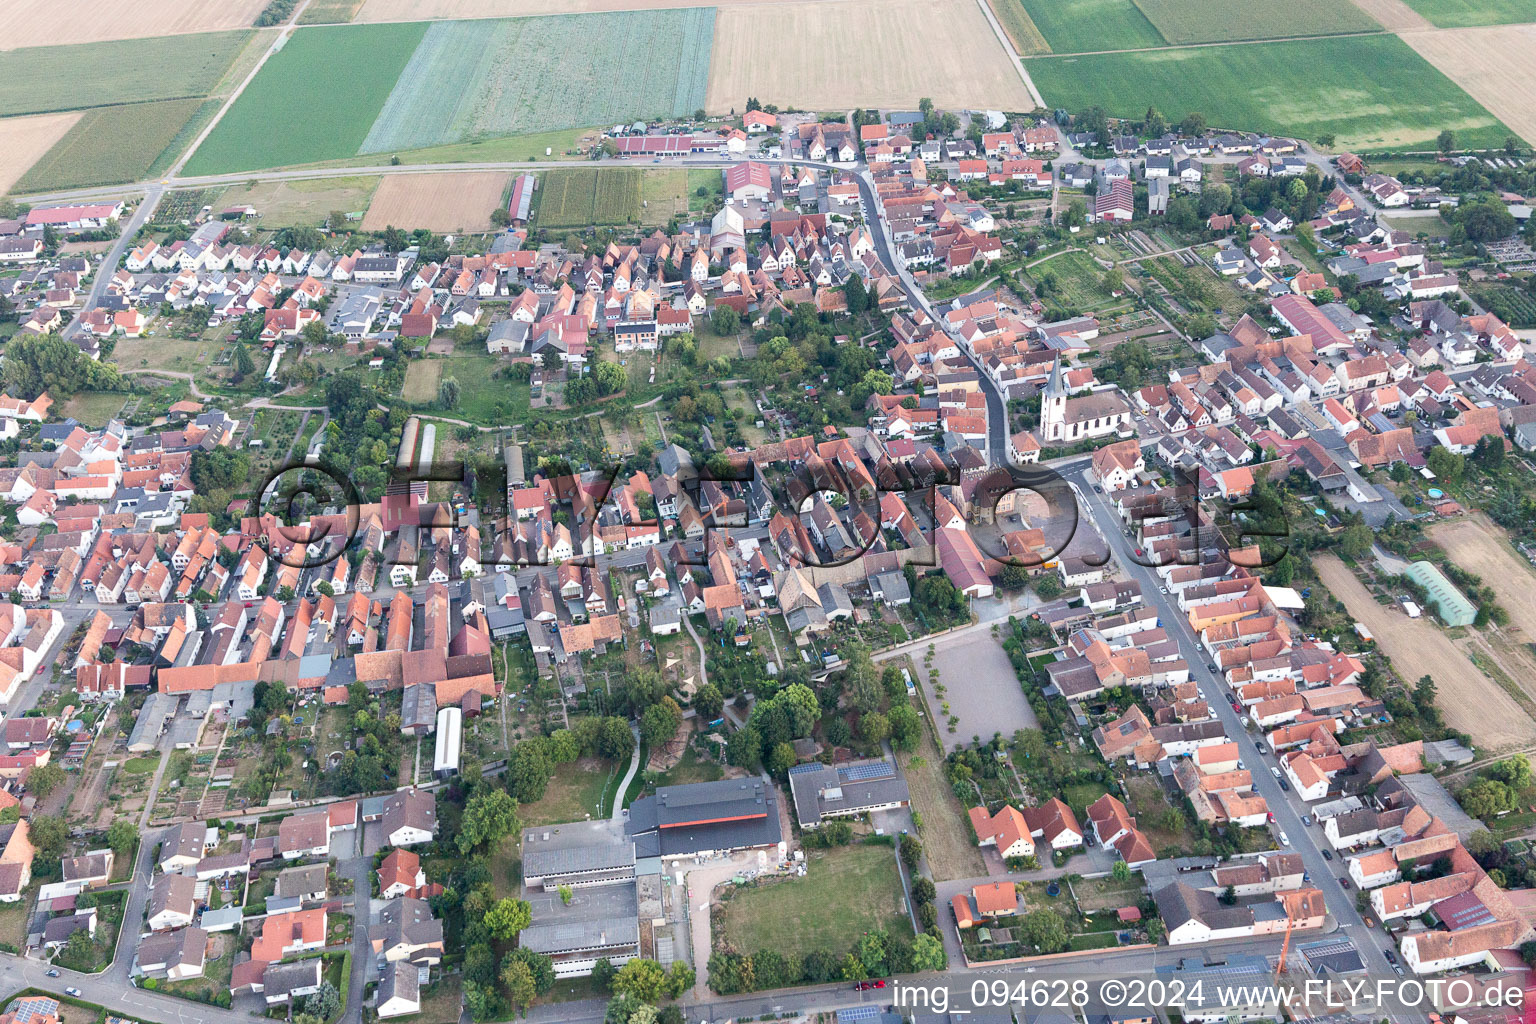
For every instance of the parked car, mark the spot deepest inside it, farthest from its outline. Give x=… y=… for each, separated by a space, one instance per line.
x=1275 y=771
x=53 y=972
x=72 y=992
x=1344 y=882
x=1285 y=840
x=1306 y=819
x=1285 y=785
x=1327 y=855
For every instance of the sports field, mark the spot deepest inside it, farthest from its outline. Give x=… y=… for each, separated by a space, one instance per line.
x=346 y=74
x=905 y=49
x=41 y=79
x=24 y=140
x=1213 y=21
x=1086 y=26
x=472 y=79
x=57 y=22
x=110 y=146
x=1468 y=13
x=1370 y=92
x=452 y=201
x=1496 y=66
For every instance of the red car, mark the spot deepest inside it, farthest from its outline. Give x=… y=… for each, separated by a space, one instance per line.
x=865 y=986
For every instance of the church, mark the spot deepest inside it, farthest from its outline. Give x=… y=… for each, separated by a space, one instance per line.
x=1066 y=421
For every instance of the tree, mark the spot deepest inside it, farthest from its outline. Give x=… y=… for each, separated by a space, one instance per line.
x=34 y=364
x=906 y=727
x=1355 y=542
x=680 y=978
x=324 y=1004
x=550 y=358
x=1445 y=141
x=1482 y=842
x=928 y=954
x=861 y=680
x=1489 y=454
x=1325 y=140
x=488 y=816
x=1044 y=930
x=602 y=974
x=44 y=779
x=121 y=836
x=1121 y=872
x=241 y=362
x=1486 y=798
x=856 y=295
x=1446 y=464
x=448 y=392
x=708 y=702
x=609 y=378
x=781 y=759
x=1155 y=124
x=1193 y=124
x=642 y=979
x=542 y=967
x=528 y=771
x=1514 y=772
x=48 y=836
x=724 y=320
x=911 y=849
x=517 y=979
x=660 y=721
x=1486 y=221
x=874 y=727
x=507 y=918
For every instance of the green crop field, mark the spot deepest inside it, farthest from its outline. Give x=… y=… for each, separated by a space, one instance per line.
x=1216 y=21
x=44 y=78
x=1468 y=13
x=313 y=100
x=1086 y=26
x=1370 y=92
x=110 y=146
x=571 y=197
x=474 y=79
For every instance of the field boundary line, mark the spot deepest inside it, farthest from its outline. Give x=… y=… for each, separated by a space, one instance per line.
x=1013 y=55
x=1219 y=42
x=202 y=136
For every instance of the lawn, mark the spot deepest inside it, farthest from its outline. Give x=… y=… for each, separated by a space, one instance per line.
x=94 y=408
x=1214 y=21
x=111 y=145
x=441 y=1002
x=1080 y=795
x=347 y=74
x=1370 y=92
x=1468 y=13
x=472 y=79
x=1084 y=26
x=421 y=380
x=1021 y=29
x=574 y=794
x=43 y=78
x=691 y=768
x=845 y=892
x=483 y=397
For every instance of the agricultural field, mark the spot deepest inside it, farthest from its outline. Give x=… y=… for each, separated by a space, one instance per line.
x=1512 y=305
x=845 y=891
x=1480 y=546
x=1213 y=21
x=577 y=198
x=1472 y=13
x=24 y=140
x=1494 y=66
x=1020 y=27
x=336 y=12
x=1393 y=15
x=41 y=79
x=453 y=201
x=1471 y=702
x=51 y=23
x=1394 y=99
x=472 y=79
x=1087 y=26
x=289 y=203
x=412 y=10
x=110 y=145
x=943 y=49
x=347 y=71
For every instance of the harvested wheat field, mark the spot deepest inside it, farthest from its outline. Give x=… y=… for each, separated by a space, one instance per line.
x=24 y=140
x=1470 y=701
x=871 y=53
x=1394 y=15
x=1492 y=64
x=452 y=201
x=52 y=22
x=432 y=10
x=1478 y=545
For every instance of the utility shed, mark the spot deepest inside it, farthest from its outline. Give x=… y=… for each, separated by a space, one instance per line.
x=1444 y=596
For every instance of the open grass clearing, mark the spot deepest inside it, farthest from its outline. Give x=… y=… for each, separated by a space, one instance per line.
x=946 y=831
x=1471 y=13
x=1494 y=66
x=1019 y=27
x=575 y=793
x=1470 y=701
x=307 y=201
x=1370 y=92
x=483 y=397
x=567 y=144
x=93 y=408
x=41 y=79
x=24 y=141
x=472 y=79
x=845 y=892
x=347 y=72
x=1213 y=21
x=448 y=202
x=943 y=49
x=1084 y=26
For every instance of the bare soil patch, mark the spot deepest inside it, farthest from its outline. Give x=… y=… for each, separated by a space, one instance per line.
x=1394 y=15
x=873 y=53
x=24 y=141
x=452 y=201
x=1471 y=702
x=51 y=23
x=1492 y=64
x=1478 y=545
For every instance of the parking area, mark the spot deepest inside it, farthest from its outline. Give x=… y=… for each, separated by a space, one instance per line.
x=980 y=686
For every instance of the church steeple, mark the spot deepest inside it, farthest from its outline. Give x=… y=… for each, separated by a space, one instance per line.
x=1053 y=406
x=1056 y=386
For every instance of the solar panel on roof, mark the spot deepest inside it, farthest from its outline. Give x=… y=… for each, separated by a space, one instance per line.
x=866 y=1012
x=807 y=768
x=866 y=770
